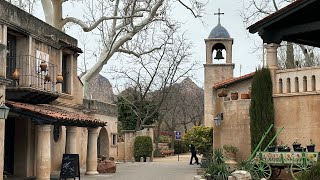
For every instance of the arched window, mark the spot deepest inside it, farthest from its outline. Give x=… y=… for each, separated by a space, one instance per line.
x=288 y=85
x=313 y=83
x=296 y=84
x=305 y=87
x=280 y=90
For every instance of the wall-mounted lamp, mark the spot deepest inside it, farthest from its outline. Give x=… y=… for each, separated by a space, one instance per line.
x=217 y=119
x=4 y=110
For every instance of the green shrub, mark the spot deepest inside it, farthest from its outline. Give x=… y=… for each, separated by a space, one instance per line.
x=218 y=169
x=142 y=147
x=312 y=173
x=201 y=137
x=230 y=148
x=164 y=139
x=261 y=108
x=180 y=147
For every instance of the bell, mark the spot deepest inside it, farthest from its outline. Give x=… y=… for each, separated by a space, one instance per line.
x=219 y=55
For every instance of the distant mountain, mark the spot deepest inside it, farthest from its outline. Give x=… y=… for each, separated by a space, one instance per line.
x=100 y=89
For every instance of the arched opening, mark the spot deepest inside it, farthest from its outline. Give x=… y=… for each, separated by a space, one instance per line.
x=288 y=85
x=313 y=82
x=280 y=86
x=219 y=53
x=296 y=84
x=305 y=84
x=103 y=143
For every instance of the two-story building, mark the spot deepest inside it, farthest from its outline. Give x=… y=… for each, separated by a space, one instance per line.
x=48 y=115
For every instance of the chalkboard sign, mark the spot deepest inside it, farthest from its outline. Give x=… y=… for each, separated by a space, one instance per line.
x=70 y=167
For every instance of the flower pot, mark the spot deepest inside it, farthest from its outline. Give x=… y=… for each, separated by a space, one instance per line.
x=230 y=155
x=222 y=92
x=295 y=146
x=311 y=148
x=47 y=78
x=300 y=149
x=43 y=66
x=271 y=149
x=244 y=96
x=234 y=95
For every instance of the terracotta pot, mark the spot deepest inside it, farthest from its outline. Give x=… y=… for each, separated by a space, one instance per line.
x=59 y=78
x=234 y=95
x=244 y=96
x=230 y=155
x=16 y=75
x=43 y=66
x=47 y=78
x=222 y=92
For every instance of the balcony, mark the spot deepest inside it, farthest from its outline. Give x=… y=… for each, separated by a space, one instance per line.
x=33 y=80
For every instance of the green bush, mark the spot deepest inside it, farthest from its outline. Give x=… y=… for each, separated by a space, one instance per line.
x=312 y=173
x=230 y=148
x=142 y=147
x=164 y=139
x=180 y=147
x=201 y=137
x=218 y=169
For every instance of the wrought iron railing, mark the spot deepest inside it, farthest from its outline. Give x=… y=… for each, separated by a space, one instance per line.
x=25 y=71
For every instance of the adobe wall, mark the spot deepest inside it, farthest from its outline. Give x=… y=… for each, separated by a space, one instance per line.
x=235 y=126
x=299 y=115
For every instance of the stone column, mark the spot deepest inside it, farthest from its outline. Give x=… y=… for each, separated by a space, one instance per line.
x=272 y=61
x=71 y=140
x=43 y=152
x=92 y=153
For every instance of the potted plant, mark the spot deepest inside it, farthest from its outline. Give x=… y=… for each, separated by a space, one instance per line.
x=296 y=145
x=271 y=148
x=234 y=95
x=244 y=96
x=230 y=151
x=311 y=146
x=223 y=92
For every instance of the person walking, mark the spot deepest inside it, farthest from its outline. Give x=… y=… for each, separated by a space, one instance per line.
x=193 y=153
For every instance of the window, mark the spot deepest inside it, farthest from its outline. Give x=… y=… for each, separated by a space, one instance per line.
x=65 y=74
x=296 y=84
x=114 y=139
x=288 y=85
x=305 y=84
x=313 y=83
x=280 y=86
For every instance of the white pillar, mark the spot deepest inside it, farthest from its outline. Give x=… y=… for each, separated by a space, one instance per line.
x=71 y=140
x=43 y=152
x=272 y=63
x=92 y=153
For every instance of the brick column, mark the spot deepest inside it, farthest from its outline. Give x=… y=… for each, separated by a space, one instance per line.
x=71 y=140
x=43 y=152
x=92 y=153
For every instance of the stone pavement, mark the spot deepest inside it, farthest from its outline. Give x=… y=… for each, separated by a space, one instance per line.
x=168 y=168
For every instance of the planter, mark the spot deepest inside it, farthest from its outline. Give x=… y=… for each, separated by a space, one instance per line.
x=244 y=96
x=222 y=92
x=311 y=148
x=295 y=146
x=283 y=149
x=300 y=149
x=271 y=149
x=230 y=155
x=234 y=95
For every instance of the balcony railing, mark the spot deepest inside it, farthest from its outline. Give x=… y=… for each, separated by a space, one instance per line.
x=25 y=71
x=30 y=83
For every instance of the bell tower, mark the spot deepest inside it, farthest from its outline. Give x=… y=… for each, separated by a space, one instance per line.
x=217 y=43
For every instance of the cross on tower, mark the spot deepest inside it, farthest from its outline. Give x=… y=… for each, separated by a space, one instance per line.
x=219 y=13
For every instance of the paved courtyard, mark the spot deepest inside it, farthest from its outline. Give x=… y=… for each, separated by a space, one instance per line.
x=168 y=168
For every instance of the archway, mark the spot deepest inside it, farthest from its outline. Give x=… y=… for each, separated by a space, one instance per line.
x=103 y=143
x=215 y=58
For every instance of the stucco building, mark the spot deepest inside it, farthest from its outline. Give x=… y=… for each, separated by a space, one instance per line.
x=295 y=91
x=48 y=116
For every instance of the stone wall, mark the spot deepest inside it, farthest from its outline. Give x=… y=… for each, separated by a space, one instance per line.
x=299 y=115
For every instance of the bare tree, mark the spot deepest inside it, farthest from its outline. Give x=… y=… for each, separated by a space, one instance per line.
x=290 y=55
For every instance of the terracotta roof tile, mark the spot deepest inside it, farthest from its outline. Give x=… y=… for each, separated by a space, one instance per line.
x=58 y=115
x=232 y=80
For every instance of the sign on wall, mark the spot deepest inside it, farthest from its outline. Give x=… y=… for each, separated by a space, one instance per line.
x=41 y=56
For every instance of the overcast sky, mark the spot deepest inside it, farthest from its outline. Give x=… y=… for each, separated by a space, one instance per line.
x=196 y=31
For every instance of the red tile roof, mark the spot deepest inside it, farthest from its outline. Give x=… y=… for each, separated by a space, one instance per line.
x=55 y=114
x=232 y=80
